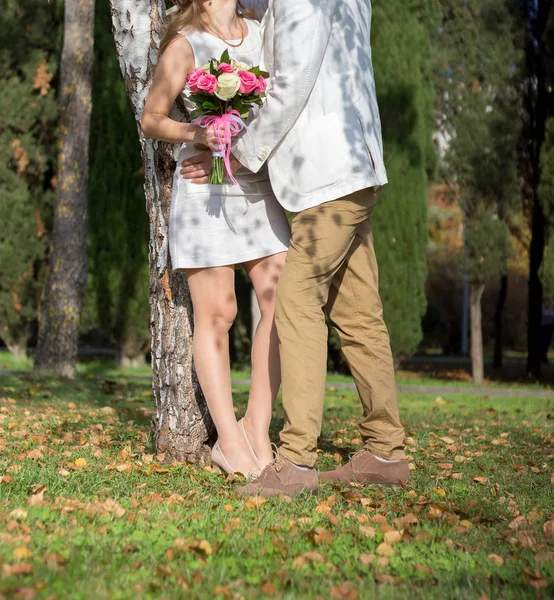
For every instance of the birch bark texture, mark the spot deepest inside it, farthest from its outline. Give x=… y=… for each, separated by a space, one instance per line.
x=64 y=292
x=181 y=423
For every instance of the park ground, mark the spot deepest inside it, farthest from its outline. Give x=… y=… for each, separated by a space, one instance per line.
x=88 y=511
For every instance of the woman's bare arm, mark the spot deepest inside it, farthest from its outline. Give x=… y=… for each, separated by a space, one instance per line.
x=169 y=80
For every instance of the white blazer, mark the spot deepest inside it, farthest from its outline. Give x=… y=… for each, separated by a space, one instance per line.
x=319 y=130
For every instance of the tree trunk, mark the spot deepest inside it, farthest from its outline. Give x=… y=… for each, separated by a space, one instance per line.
x=18 y=350
x=64 y=292
x=534 y=326
x=477 y=362
x=537 y=102
x=498 y=323
x=181 y=424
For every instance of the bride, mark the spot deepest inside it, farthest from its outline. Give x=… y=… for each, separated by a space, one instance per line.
x=215 y=229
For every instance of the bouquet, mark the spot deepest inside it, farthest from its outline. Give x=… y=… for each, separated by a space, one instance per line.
x=224 y=92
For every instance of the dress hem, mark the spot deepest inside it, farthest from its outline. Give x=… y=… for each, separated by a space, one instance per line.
x=241 y=260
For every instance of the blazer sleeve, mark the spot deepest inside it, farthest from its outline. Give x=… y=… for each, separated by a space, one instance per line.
x=302 y=32
x=258 y=7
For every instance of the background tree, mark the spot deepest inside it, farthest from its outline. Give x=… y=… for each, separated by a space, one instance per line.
x=67 y=275
x=538 y=17
x=402 y=57
x=28 y=65
x=182 y=424
x=117 y=292
x=478 y=108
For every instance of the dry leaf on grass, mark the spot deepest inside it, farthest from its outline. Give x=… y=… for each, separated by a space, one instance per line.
x=548 y=529
x=255 y=502
x=35 y=454
x=307 y=558
x=21 y=553
x=534 y=578
x=368 y=531
x=18 y=569
x=123 y=468
x=393 y=537
x=367 y=559
x=18 y=514
x=518 y=523
x=480 y=479
x=384 y=549
x=321 y=536
x=344 y=591
x=37 y=496
x=496 y=559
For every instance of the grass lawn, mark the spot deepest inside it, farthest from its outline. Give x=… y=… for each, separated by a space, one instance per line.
x=427 y=375
x=88 y=512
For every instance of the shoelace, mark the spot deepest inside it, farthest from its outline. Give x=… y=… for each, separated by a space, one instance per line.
x=276 y=463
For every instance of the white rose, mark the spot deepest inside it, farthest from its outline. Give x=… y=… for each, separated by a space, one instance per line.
x=229 y=84
x=240 y=66
x=205 y=67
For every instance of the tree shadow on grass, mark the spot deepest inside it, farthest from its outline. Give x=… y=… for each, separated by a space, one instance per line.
x=132 y=401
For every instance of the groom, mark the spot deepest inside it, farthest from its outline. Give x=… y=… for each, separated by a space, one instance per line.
x=320 y=134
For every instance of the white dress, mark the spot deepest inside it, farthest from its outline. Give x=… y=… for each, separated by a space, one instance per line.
x=211 y=225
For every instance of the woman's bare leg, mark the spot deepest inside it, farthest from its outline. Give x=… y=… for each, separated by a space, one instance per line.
x=215 y=308
x=266 y=366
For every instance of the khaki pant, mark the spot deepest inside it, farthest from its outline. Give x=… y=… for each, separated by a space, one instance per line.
x=331 y=267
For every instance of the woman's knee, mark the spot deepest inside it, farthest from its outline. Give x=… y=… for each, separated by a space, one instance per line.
x=219 y=317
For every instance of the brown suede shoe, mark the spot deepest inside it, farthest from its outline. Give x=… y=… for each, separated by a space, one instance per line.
x=281 y=477
x=365 y=468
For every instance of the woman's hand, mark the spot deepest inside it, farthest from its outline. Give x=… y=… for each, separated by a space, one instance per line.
x=209 y=138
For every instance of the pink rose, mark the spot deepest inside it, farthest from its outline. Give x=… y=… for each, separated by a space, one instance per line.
x=207 y=84
x=225 y=68
x=248 y=82
x=192 y=80
x=262 y=85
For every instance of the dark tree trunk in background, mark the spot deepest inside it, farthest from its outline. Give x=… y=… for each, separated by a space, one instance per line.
x=64 y=292
x=498 y=323
x=537 y=14
x=181 y=424
x=477 y=361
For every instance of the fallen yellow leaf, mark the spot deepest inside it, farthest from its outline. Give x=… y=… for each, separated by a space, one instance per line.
x=255 y=502
x=439 y=491
x=384 y=549
x=367 y=559
x=80 y=462
x=368 y=531
x=21 y=553
x=393 y=537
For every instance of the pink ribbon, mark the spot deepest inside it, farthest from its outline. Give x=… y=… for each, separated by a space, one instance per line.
x=232 y=126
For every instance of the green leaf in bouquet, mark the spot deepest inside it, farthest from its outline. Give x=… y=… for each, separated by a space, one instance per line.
x=225 y=57
x=241 y=107
x=213 y=67
x=210 y=105
x=200 y=98
x=259 y=73
x=196 y=114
